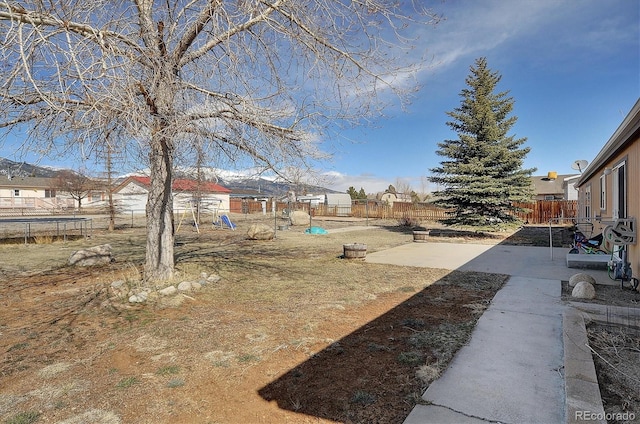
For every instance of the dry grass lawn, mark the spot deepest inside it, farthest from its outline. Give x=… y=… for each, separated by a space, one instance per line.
x=291 y=332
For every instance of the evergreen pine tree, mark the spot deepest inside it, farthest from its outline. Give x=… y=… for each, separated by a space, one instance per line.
x=482 y=176
x=351 y=191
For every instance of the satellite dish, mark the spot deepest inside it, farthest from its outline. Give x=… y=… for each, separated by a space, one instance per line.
x=579 y=165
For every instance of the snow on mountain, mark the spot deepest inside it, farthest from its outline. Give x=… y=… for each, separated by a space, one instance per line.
x=247 y=181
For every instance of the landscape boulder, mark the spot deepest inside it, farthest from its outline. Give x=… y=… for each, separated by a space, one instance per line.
x=139 y=297
x=584 y=290
x=299 y=218
x=97 y=255
x=260 y=232
x=168 y=291
x=576 y=278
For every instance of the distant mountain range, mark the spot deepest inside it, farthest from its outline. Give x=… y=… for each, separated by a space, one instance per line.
x=255 y=185
x=23 y=169
x=237 y=184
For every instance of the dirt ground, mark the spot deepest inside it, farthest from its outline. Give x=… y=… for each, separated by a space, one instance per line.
x=617 y=359
x=291 y=333
x=616 y=355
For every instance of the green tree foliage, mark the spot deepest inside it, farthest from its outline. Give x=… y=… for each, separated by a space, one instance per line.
x=356 y=195
x=482 y=175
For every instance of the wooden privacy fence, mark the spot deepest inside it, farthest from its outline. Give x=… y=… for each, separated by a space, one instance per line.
x=541 y=211
x=399 y=210
x=538 y=212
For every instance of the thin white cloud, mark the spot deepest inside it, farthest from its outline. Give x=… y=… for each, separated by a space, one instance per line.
x=369 y=182
x=473 y=28
x=373 y=184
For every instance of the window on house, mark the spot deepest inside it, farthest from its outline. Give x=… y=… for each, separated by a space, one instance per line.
x=549 y=197
x=49 y=193
x=603 y=192
x=587 y=202
x=16 y=192
x=619 y=191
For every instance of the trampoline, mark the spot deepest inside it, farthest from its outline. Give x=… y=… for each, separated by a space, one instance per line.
x=31 y=227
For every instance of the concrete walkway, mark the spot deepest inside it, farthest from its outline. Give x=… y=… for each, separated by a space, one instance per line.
x=510 y=372
x=512 y=369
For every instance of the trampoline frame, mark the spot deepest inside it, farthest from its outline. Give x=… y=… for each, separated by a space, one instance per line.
x=85 y=227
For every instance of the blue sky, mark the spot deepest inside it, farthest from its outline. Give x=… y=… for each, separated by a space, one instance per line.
x=571 y=66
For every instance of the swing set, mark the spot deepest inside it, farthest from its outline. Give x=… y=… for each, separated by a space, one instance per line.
x=195 y=207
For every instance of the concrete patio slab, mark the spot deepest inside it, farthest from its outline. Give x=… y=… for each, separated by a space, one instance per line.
x=526 y=261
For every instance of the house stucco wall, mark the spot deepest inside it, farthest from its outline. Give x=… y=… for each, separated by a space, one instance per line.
x=600 y=182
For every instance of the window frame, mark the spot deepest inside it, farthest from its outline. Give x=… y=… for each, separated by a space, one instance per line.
x=587 y=202
x=603 y=192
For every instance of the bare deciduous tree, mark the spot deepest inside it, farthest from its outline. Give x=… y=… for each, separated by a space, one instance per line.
x=76 y=184
x=257 y=79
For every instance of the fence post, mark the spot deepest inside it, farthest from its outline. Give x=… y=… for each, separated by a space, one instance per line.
x=366 y=210
x=550 y=239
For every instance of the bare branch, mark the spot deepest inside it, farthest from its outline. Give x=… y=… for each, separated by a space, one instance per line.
x=250 y=80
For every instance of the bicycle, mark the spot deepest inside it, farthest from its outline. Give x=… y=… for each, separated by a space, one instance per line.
x=590 y=246
x=623 y=235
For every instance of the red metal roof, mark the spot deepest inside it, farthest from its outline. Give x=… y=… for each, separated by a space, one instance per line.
x=185 y=185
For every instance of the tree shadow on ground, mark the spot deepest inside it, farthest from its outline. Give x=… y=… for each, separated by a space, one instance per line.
x=371 y=374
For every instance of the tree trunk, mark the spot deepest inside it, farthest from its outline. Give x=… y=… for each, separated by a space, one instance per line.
x=112 y=211
x=112 y=208
x=159 y=263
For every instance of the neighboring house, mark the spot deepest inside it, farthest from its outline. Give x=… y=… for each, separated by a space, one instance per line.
x=555 y=187
x=247 y=194
x=132 y=193
x=391 y=198
x=32 y=193
x=569 y=186
x=96 y=198
x=608 y=191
